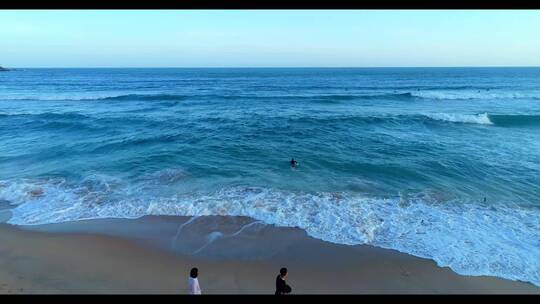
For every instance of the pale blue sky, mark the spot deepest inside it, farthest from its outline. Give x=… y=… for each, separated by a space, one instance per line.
x=269 y=38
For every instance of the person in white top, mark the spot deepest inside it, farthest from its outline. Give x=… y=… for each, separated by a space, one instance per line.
x=193 y=282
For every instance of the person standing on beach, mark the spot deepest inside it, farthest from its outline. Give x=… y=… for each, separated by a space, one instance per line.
x=281 y=286
x=193 y=283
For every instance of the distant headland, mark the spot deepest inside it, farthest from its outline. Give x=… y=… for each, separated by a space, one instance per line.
x=2 y=69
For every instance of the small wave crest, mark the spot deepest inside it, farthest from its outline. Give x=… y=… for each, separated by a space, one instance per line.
x=46 y=115
x=102 y=97
x=427 y=95
x=482 y=119
x=149 y=97
x=501 y=120
x=471 y=95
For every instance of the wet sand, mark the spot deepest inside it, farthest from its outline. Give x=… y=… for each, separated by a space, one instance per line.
x=234 y=255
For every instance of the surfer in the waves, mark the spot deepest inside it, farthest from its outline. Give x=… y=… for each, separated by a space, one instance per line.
x=294 y=163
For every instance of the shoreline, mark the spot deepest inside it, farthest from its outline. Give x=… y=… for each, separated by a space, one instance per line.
x=153 y=254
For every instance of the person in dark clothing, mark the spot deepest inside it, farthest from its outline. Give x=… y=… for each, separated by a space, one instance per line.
x=294 y=163
x=281 y=286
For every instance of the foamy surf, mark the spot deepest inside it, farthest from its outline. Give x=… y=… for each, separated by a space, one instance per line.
x=499 y=239
x=478 y=94
x=482 y=119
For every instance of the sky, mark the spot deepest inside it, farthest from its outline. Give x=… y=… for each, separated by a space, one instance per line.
x=269 y=38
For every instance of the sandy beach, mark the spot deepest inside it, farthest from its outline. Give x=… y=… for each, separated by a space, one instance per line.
x=235 y=255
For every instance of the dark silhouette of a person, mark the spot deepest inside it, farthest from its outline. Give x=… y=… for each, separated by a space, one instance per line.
x=281 y=286
x=294 y=163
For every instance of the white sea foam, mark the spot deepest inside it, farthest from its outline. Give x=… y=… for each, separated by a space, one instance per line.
x=482 y=119
x=472 y=94
x=471 y=238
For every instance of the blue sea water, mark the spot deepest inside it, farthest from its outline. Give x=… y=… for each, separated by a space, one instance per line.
x=442 y=163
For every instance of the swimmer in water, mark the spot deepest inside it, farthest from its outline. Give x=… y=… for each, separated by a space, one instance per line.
x=294 y=163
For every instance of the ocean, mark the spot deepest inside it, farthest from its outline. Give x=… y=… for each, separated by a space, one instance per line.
x=441 y=163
